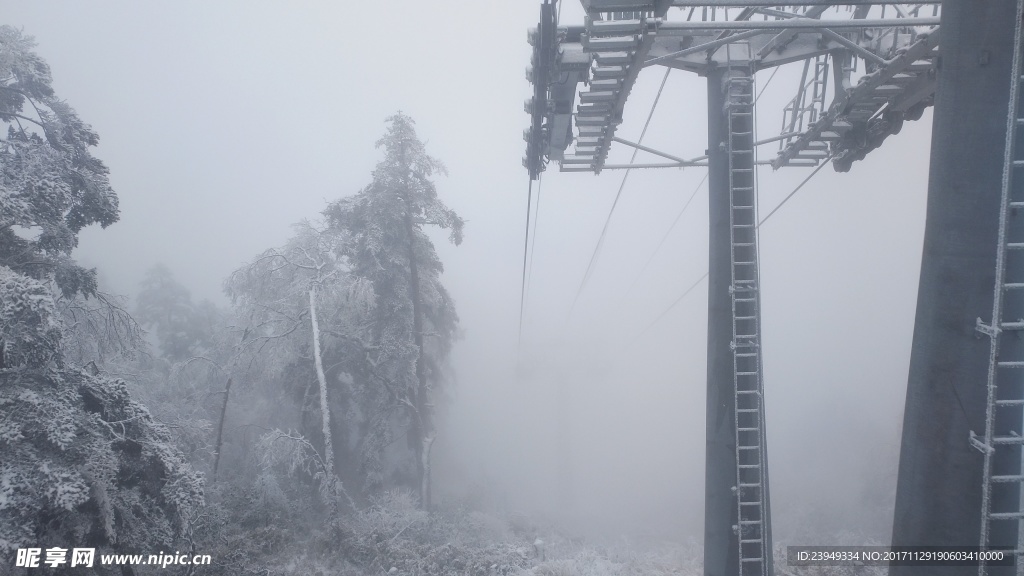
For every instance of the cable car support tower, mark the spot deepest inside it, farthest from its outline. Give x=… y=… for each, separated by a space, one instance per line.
x=868 y=66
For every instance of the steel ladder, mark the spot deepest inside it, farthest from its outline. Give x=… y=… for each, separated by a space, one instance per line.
x=753 y=528
x=1004 y=408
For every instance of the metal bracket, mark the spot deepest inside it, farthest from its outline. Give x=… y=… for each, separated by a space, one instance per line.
x=989 y=330
x=981 y=446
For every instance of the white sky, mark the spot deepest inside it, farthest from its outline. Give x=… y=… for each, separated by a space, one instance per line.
x=225 y=122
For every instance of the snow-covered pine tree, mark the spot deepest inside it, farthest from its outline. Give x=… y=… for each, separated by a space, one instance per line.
x=414 y=321
x=52 y=186
x=81 y=463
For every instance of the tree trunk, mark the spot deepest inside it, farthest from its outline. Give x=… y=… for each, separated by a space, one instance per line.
x=220 y=429
x=422 y=420
x=324 y=409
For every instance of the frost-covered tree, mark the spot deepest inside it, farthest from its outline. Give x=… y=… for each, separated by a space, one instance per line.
x=51 y=187
x=296 y=300
x=183 y=329
x=81 y=463
x=98 y=329
x=414 y=321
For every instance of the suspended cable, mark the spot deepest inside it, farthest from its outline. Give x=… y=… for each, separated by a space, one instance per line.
x=795 y=190
x=665 y=237
x=765 y=219
x=533 y=242
x=758 y=97
x=604 y=230
x=673 y=305
x=522 y=289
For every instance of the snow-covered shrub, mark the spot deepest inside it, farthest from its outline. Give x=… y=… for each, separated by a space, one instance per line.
x=75 y=447
x=29 y=332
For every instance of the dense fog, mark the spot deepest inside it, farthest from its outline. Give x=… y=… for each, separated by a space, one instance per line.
x=225 y=124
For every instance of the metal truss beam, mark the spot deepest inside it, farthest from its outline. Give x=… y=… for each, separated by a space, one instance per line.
x=619 y=38
x=857 y=49
x=774 y=3
x=866 y=96
x=703 y=47
x=646 y=149
x=796 y=23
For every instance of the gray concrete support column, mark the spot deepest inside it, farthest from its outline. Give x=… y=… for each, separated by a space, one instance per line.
x=938 y=496
x=720 y=543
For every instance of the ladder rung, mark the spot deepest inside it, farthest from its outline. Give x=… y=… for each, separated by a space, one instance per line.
x=1015 y=402
x=746 y=391
x=1013 y=285
x=1012 y=325
x=748 y=484
x=745 y=299
x=612 y=26
x=749 y=465
x=1015 y=245
x=751 y=560
x=745 y=410
x=749 y=522
x=1016 y=204
x=611 y=43
x=1013 y=364
x=748 y=429
x=605 y=84
x=746 y=317
x=612 y=58
x=1008 y=440
x=751 y=541
x=802 y=162
x=745 y=354
x=1008 y=478
x=602 y=96
x=754 y=373
x=1006 y=515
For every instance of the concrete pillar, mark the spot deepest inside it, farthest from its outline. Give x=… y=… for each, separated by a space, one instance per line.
x=721 y=555
x=938 y=496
